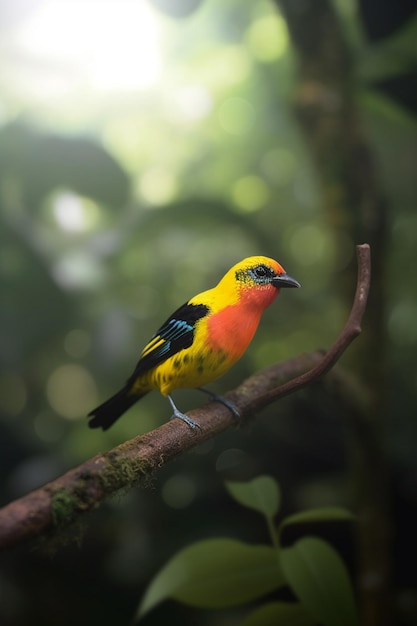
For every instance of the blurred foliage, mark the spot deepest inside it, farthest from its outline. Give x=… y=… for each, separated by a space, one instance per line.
x=222 y=572
x=116 y=206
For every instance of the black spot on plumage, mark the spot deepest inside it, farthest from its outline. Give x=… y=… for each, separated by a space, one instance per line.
x=222 y=357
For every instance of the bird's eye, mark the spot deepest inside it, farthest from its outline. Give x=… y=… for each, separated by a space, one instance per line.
x=261 y=271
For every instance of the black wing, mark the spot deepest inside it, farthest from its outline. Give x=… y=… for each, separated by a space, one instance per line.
x=176 y=334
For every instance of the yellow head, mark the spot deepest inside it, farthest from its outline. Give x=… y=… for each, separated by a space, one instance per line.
x=256 y=280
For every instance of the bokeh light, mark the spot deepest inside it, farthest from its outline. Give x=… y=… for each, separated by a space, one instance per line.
x=158 y=185
x=250 y=193
x=72 y=212
x=268 y=37
x=179 y=491
x=71 y=391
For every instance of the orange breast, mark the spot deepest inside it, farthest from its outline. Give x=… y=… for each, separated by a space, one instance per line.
x=232 y=329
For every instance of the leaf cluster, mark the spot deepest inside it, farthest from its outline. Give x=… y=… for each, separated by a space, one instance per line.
x=224 y=572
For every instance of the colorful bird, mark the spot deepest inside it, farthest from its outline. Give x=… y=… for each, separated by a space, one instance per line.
x=202 y=339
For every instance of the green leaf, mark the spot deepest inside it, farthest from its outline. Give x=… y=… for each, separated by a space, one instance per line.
x=215 y=573
x=261 y=493
x=324 y=514
x=320 y=580
x=276 y=613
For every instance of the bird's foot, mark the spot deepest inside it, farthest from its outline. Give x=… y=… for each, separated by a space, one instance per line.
x=177 y=413
x=227 y=403
x=191 y=423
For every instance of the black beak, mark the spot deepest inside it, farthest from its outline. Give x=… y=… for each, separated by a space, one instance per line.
x=283 y=280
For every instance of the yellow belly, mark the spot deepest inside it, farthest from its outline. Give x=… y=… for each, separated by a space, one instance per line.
x=188 y=369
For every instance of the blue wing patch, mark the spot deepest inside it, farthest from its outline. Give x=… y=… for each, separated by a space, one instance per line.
x=176 y=334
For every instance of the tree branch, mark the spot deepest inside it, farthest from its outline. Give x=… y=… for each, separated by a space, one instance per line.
x=84 y=487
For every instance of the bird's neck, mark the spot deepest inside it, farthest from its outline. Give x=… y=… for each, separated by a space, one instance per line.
x=258 y=298
x=232 y=328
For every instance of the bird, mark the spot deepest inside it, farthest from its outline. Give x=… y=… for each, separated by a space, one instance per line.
x=201 y=340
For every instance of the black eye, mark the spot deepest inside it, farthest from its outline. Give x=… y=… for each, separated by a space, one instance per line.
x=261 y=271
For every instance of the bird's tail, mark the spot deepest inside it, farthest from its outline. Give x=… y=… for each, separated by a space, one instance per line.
x=107 y=413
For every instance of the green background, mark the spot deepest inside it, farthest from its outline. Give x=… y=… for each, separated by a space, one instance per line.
x=117 y=206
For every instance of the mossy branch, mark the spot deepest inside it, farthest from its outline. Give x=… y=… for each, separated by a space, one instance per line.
x=84 y=487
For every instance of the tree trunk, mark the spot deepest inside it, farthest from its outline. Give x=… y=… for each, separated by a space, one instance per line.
x=326 y=110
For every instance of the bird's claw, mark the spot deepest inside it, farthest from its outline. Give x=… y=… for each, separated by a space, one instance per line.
x=191 y=423
x=227 y=403
x=214 y=397
x=177 y=413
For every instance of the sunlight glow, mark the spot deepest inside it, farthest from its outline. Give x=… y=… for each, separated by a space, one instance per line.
x=110 y=45
x=69 y=212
